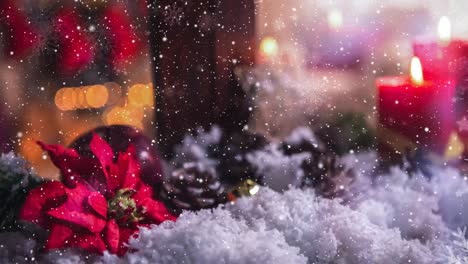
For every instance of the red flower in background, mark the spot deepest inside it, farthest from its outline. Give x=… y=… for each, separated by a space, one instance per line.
x=123 y=38
x=77 y=50
x=99 y=205
x=20 y=35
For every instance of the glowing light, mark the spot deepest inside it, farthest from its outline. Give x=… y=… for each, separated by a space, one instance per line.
x=335 y=19
x=455 y=147
x=269 y=47
x=132 y=111
x=444 y=29
x=416 y=71
x=125 y=115
x=29 y=148
x=67 y=99
x=74 y=97
x=141 y=95
x=254 y=190
x=81 y=102
x=59 y=99
x=97 y=96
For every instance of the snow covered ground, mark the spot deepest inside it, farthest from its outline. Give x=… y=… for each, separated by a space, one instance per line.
x=393 y=219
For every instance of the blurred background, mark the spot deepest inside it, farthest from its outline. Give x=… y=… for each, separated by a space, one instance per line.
x=69 y=66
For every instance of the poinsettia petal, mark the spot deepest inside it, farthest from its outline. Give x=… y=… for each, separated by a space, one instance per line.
x=59 y=236
x=74 y=211
x=129 y=168
x=42 y=199
x=102 y=151
x=98 y=203
x=86 y=220
x=143 y=192
x=113 y=181
x=125 y=173
x=91 y=242
x=156 y=210
x=112 y=236
x=67 y=160
x=125 y=234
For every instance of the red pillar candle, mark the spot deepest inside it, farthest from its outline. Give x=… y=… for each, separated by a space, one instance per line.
x=447 y=58
x=413 y=113
x=442 y=61
x=444 y=58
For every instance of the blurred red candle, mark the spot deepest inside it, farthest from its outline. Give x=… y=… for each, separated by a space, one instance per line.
x=442 y=58
x=447 y=58
x=414 y=113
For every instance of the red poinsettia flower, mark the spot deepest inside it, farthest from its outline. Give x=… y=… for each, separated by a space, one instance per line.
x=99 y=205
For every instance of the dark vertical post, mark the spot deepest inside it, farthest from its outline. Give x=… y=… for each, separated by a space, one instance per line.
x=198 y=42
x=235 y=47
x=153 y=26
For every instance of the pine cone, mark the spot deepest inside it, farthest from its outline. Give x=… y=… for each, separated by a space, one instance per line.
x=303 y=146
x=231 y=153
x=326 y=174
x=192 y=187
x=322 y=171
x=301 y=140
x=419 y=161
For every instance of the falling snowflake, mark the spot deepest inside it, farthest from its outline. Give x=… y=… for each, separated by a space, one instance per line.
x=173 y=14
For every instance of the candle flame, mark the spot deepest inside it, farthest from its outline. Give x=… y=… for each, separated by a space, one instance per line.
x=335 y=19
x=416 y=71
x=269 y=47
x=444 y=29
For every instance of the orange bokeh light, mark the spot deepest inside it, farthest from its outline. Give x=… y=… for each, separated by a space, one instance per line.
x=97 y=96
x=141 y=95
x=125 y=116
x=94 y=96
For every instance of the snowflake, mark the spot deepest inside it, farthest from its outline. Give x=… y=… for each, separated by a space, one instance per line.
x=173 y=14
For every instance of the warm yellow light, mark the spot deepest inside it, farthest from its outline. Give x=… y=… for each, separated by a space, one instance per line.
x=81 y=102
x=335 y=19
x=455 y=147
x=269 y=47
x=74 y=98
x=416 y=71
x=124 y=116
x=59 y=99
x=94 y=96
x=254 y=190
x=444 y=29
x=64 y=99
x=97 y=96
x=67 y=99
x=141 y=95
